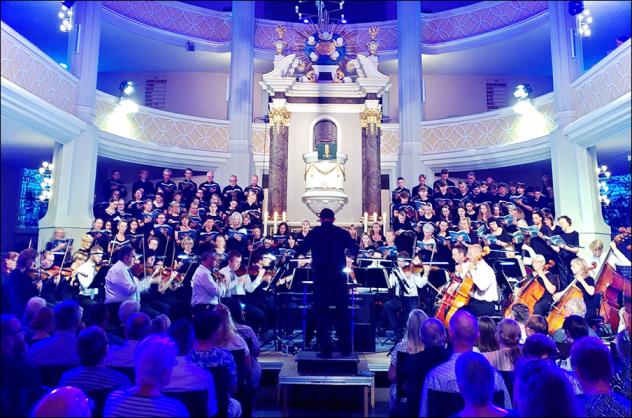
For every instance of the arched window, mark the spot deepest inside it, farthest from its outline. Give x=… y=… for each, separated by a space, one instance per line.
x=325 y=139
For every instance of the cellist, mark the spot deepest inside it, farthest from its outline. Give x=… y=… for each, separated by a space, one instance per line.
x=548 y=280
x=485 y=297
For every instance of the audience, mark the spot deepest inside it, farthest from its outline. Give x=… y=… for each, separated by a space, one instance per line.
x=136 y=329
x=42 y=325
x=536 y=324
x=60 y=349
x=591 y=361
x=621 y=379
x=154 y=360
x=508 y=337
x=63 y=402
x=160 y=325
x=463 y=335
x=228 y=339
x=249 y=335
x=520 y=314
x=486 y=335
x=475 y=378
x=97 y=315
x=539 y=347
x=541 y=389
x=91 y=375
x=21 y=382
x=187 y=376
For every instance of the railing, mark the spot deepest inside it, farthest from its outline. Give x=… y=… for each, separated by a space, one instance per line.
x=26 y=66
x=608 y=80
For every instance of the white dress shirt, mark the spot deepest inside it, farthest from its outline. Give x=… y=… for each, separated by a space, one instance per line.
x=85 y=274
x=239 y=285
x=484 y=278
x=204 y=288
x=120 y=285
x=414 y=281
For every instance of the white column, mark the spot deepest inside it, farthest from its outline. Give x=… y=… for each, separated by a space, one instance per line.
x=240 y=96
x=75 y=162
x=409 y=87
x=573 y=166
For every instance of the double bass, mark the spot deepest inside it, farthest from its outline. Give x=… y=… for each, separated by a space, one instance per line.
x=453 y=301
x=615 y=290
x=558 y=310
x=530 y=292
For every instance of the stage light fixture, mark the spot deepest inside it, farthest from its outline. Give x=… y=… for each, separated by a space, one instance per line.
x=127 y=87
x=523 y=107
x=127 y=105
x=522 y=91
x=66 y=16
x=584 y=21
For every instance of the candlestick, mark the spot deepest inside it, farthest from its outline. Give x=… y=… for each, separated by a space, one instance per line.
x=383 y=222
x=265 y=223
x=366 y=221
x=284 y=216
x=374 y=217
x=275 y=218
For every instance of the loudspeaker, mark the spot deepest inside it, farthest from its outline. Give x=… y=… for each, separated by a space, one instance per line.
x=364 y=338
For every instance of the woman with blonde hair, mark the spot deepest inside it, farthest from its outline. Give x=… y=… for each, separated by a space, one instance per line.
x=585 y=282
x=508 y=337
x=227 y=337
x=484 y=212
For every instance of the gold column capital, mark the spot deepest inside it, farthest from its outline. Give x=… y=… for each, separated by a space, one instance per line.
x=279 y=116
x=371 y=119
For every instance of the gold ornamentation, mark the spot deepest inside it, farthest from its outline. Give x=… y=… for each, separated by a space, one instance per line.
x=373 y=44
x=373 y=31
x=280 y=30
x=337 y=166
x=371 y=119
x=280 y=44
x=279 y=116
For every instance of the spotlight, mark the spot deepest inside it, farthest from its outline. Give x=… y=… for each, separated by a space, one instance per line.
x=45 y=164
x=523 y=107
x=128 y=105
x=305 y=20
x=127 y=87
x=522 y=91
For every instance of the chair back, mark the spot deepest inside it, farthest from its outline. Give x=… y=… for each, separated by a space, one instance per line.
x=448 y=404
x=508 y=378
x=99 y=397
x=52 y=374
x=400 y=373
x=221 y=380
x=196 y=401
x=244 y=388
x=130 y=372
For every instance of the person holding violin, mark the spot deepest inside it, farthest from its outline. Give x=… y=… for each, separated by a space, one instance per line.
x=406 y=280
x=548 y=281
x=21 y=285
x=84 y=275
x=485 y=297
x=120 y=284
x=52 y=287
x=206 y=289
x=585 y=283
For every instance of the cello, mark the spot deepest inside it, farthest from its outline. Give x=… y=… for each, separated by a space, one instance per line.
x=558 y=310
x=453 y=301
x=530 y=292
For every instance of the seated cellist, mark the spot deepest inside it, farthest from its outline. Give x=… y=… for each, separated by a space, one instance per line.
x=548 y=280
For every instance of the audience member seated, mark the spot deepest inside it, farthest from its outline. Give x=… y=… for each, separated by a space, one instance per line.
x=63 y=402
x=32 y=308
x=154 y=362
x=97 y=315
x=541 y=389
x=486 y=335
x=475 y=378
x=187 y=376
x=248 y=334
x=520 y=314
x=91 y=375
x=136 y=328
x=228 y=338
x=539 y=347
x=463 y=335
x=206 y=354
x=508 y=336
x=21 y=383
x=574 y=327
x=417 y=366
x=536 y=324
x=126 y=310
x=42 y=325
x=591 y=361
x=160 y=325
x=60 y=349
x=621 y=379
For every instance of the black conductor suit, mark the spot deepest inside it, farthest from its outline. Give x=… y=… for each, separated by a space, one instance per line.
x=328 y=244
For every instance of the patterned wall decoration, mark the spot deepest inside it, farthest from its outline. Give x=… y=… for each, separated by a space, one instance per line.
x=210 y=25
x=260 y=138
x=162 y=128
x=497 y=15
x=389 y=144
x=486 y=129
x=26 y=66
x=606 y=81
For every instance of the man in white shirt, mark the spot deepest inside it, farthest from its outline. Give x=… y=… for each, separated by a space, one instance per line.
x=485 y=296
x=120 y=284
x=85 y=274
x=205 y=290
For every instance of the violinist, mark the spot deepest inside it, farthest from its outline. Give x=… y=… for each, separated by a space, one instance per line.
x=257 y=296
x=585 y=283
x=485 y=297
x=547 y=280
x=58 y=245
x=85 y=276
x=206 y=290
x=20 y=285
x=120 y=284
x=405 y=280
x=52 y=286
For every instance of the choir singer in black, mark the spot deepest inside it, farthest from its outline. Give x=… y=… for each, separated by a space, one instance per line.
x=328 y=244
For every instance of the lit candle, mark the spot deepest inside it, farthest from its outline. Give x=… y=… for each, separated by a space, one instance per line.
x=366 y=221
x=265 y=223
x=383 y=222
x=374 y=217
x=284 y=216
x=275 y=219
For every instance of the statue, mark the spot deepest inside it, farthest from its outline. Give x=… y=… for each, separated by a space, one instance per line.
x=374 y=44
x=280 y=44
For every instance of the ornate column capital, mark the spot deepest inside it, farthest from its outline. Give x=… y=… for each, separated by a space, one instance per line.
x=371 y=119
x=279 y=116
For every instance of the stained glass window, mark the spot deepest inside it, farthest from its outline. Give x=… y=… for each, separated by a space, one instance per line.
x=617 y=213
x=31 y=208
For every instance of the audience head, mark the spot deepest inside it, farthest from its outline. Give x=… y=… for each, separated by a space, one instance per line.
x=433 y=333
x=520 y=313
x=576 y=306
x=160 y=325
x=13 y=344
x=508 y=336
x=66 y=401
x=623 y=346
x=67 y=316
x=97 y=315
x=137 y=326
x=590 y=358
x=463 y=331
x=413 y=328
x=154 y=360
x=182 y=334
x=475 y=378
x=206 y=324
x=128 y=308
x=541 y=389
x=33 y=306
x=536 y=324
x=43 y=321
x=575 y=328
x=487 y=334
x=26 y=259
x=92 y=346
x=539 y=346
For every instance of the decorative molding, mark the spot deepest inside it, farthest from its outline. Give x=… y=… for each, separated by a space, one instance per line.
x=279 y=116
x=606 y=81
x=260 y=139
x=389 y=141
x=28 y=67
x=163 y=128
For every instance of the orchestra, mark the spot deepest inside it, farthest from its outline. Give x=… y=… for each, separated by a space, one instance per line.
x=178 y=247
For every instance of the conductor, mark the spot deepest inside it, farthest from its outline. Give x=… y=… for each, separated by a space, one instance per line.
x=328 y=244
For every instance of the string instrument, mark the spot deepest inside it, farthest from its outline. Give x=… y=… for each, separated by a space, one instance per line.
x=40 y=274
x=558 y=309
x=451 y=302
x=169 y=279
x=530 y=292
